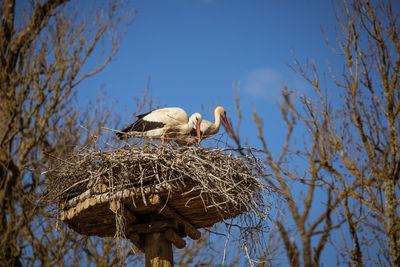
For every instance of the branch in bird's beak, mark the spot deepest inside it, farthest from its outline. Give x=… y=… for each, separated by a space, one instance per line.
x=227 y=125
x=198 y=131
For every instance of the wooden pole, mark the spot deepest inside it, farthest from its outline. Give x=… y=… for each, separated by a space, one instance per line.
x=158 y=250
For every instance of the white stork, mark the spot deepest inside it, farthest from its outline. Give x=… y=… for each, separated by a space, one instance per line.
x=207 y=128
x=164 y=123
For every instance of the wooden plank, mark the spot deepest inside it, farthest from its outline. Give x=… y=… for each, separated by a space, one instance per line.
x=100 y=188
x=71 y=213
x=173 y=237
x=154 y=199
x=92 y=201
x=79 y=207
x=191 y=231
x=107 y=196
x=86 y=203
x=129 y=215
x=137 y=241
x=151 y=227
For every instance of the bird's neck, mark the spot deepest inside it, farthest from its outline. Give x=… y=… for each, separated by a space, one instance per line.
x=187 y=127
x=217 y=119
x=190 y=125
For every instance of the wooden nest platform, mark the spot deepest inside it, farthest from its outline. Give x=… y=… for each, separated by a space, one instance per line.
x=131 y=192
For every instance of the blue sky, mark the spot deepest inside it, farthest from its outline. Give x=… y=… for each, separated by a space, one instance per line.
x=195 y=49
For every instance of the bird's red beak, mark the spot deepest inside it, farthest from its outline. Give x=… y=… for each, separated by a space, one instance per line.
x=198 y=132
x=227 y=125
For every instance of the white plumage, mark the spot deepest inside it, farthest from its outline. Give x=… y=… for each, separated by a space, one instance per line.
x=207 y=128
x=165 y=123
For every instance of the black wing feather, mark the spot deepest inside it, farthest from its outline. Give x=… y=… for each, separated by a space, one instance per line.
x=140 y=116
x=194 y=133
x=140 y=126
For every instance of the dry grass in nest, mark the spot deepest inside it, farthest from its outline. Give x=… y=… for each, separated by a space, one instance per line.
x=203 y=185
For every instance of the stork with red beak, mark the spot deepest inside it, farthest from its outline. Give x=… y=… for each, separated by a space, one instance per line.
x=207 y=128
x=165 y=123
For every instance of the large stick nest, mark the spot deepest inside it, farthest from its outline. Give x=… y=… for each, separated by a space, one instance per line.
x=203 y=185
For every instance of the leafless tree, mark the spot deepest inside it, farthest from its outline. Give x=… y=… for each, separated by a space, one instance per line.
x=350 y=151
x=359 y=135
x=47 y=48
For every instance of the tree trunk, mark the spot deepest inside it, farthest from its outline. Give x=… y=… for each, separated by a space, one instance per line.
x=391 y=215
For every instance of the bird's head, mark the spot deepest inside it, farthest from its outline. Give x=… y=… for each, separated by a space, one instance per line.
x=222 y=113
x=197 y=118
